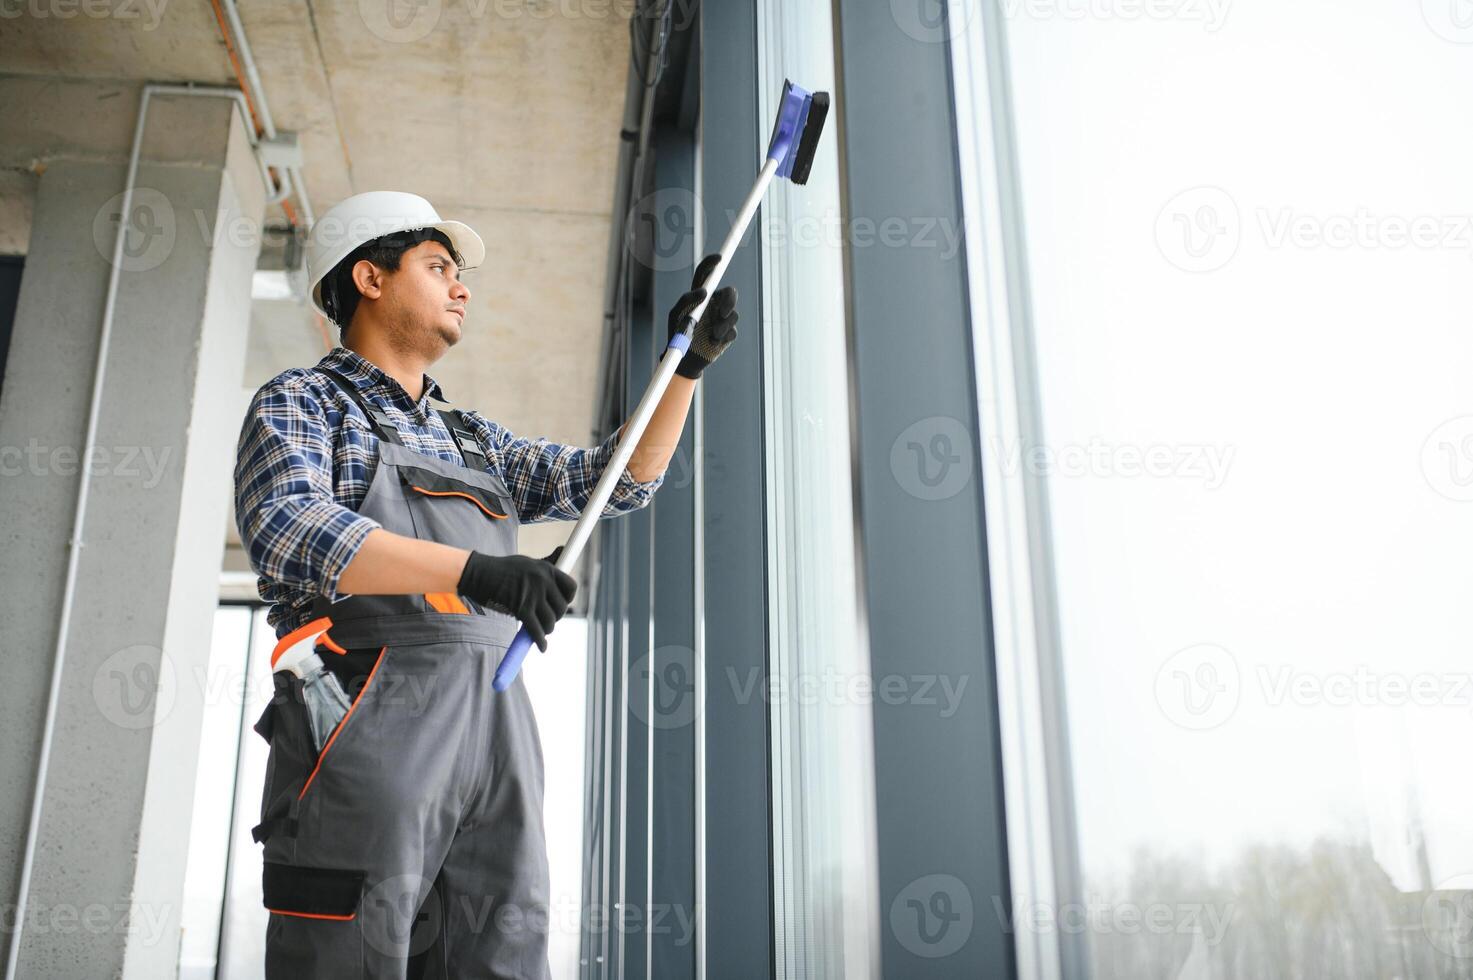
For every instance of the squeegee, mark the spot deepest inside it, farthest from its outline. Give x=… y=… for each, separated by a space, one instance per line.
x=800 y=119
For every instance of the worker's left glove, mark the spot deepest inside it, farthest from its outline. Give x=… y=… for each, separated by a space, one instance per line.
x=717 y=327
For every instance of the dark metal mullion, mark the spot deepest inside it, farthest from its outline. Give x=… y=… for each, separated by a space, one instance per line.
x=939 y=799
x=672 y=800
x=738 y=833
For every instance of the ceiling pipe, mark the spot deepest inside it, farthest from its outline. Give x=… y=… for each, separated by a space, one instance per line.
x=249 y=78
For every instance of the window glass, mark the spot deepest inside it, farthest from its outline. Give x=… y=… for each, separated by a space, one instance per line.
x=824 y=884
x=1248 y=239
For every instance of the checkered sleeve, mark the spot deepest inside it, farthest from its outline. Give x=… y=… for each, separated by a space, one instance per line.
x=293 y=530
x=552 y=482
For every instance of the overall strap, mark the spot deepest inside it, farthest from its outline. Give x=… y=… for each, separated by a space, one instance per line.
x=383 y=426
x=470 y=450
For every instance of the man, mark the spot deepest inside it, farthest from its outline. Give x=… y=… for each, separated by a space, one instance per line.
x=384 y=534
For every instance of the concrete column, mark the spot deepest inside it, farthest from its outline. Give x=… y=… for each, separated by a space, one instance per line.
x=107 y=883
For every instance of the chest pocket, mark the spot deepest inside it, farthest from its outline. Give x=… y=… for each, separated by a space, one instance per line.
x=495 y=502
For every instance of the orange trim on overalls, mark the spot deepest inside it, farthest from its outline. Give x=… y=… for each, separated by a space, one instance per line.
x=314 y=915
x=446 y=602
x=319 y=625
x=344 y=723
x=457 y=493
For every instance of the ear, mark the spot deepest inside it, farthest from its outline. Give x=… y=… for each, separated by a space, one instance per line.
x=368 y=278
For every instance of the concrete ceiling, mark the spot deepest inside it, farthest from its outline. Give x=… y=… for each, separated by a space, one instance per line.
x=505 y=114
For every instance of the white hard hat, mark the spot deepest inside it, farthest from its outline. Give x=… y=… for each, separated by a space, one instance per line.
x=364 y=217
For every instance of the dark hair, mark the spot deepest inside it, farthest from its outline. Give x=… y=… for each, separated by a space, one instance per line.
x=340 y=294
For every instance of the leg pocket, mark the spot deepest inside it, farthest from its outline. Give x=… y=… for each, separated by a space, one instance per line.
x=313 y=893
x=315 y=929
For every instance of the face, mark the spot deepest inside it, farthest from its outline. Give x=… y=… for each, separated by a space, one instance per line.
x=423 y=302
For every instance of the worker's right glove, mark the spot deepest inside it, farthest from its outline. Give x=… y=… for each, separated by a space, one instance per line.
x=531 y=589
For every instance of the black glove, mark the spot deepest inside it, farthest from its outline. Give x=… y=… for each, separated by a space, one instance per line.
x=717 y=327
x=531 y=589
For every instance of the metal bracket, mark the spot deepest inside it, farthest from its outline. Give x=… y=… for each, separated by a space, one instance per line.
x=281 y=151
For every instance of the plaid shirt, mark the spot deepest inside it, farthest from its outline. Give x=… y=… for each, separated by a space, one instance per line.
x=307 y=454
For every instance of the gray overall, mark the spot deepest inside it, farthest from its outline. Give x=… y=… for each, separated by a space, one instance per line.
x=412 y=845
